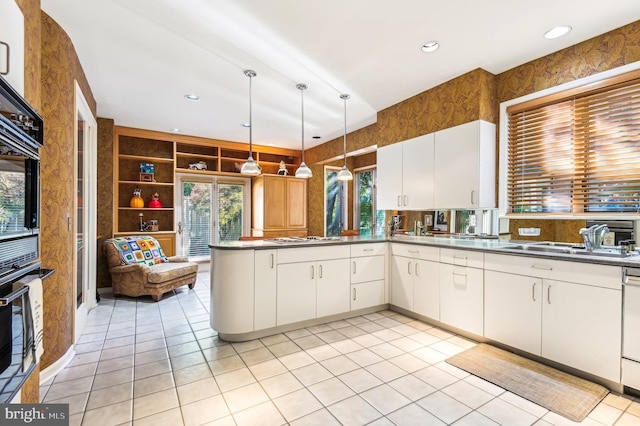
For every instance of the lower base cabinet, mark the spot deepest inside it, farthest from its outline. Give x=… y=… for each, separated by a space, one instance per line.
x=462 y=297
x=574 y=324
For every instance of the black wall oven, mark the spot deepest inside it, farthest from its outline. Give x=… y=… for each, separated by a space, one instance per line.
x=21 y=137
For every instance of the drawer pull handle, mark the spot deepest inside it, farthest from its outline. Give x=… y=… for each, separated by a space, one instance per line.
x=320 y=271
x=354 y=267
x=416 y=269
x=409 y=268
x=414 y=251
x=542 y=266
x=354 y=294
x=369 y=249
x=312 y=272
x=272 y=261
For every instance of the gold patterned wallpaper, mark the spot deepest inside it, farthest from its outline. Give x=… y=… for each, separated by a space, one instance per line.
x=106 y=128
x=60 y=68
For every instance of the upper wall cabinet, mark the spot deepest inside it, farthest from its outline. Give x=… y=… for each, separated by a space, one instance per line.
x=12 y=45
x=465 y=166
x=405 y=175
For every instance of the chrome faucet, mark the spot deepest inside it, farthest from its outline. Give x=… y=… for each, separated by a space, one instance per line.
x=593 y=236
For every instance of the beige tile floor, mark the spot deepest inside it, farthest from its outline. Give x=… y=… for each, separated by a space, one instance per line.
x=145 y=363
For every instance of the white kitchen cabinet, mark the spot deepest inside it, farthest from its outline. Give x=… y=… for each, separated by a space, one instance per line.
x=265 y=275
x=405 y=174
x=462 y=290
x=12 y=44
x=312 y=283
x=232 y=275
x=332 y=287
x=464 y=166
x=296 y=293
x=576 y=324
x=513 y=310
x=581 y=327
x=367 y=275
x=414 y=279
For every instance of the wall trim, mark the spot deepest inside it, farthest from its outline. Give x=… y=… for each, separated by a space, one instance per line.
x=57 y=366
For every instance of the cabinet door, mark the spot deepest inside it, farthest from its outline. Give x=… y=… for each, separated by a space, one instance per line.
x=426 y=288
x=275 y=202
x=296 y=293
x=417 y=173
x=296 y=203
x=333 y=287
x=513 y=310
x=402 y=282
x=167 y=242
x=456 y=166
x=389 y=177
x=12 y=33
x=365 y=269
x=581 y=327
x=265 y=289
x=365 y=295
x=461 y=297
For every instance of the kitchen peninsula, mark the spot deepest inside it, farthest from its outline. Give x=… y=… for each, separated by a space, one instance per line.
x=501 y=291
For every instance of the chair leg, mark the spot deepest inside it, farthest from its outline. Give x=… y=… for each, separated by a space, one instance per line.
x=192 y=285
x=156 y=297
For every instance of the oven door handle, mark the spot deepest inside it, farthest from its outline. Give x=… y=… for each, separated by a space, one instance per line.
x=4 y=301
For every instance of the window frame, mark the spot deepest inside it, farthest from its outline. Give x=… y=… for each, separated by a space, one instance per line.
x=560 y=90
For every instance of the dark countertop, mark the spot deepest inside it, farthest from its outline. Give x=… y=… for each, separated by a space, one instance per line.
x=493 y=245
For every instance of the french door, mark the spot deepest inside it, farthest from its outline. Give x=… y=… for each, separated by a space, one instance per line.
x=211 y=210
x=84 y=255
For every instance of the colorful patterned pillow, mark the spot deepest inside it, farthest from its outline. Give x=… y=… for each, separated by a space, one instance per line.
x=144 y=250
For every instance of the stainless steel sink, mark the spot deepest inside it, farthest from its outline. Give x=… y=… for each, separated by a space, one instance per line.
x=569 y=248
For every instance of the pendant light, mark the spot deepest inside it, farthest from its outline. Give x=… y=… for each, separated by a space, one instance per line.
x=250 y=167
x=303 y=172
x=344 y=173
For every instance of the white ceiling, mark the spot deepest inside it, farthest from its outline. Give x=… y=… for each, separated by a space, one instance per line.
x=142 y=56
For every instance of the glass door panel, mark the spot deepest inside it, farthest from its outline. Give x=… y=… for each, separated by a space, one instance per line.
x=196 y=218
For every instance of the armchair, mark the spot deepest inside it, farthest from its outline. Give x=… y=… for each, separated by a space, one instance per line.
x=139 y=267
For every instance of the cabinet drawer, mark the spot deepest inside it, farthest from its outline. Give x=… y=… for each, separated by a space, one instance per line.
x=474 y=259
x=576 y=272
x=368 y=294
x=365 y=269
x=369 y=249
x=416 y=251
x=312 y=254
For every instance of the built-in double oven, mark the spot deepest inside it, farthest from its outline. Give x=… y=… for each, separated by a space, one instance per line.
x=21 y=138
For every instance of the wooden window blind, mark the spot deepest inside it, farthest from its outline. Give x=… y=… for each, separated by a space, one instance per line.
x=577 y=152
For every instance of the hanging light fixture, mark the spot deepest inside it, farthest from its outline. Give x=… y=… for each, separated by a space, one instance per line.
x=250 y=167
x=344 y=173
x=303 y=172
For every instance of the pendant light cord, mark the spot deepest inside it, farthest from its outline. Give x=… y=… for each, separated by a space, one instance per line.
x=344 y=97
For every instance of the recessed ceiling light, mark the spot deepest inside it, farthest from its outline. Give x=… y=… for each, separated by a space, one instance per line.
x=247 y=125
x=176 y=130
x=316 y=137
x=431 y=46
x=192 y=97
x=558 y=31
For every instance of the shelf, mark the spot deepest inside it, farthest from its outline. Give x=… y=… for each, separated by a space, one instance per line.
x=163 y=209
x=211 y=157
x=145 y=158
x=140 y=182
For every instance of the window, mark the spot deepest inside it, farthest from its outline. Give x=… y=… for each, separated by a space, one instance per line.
x=576 y=151
x=335 y=202
x=368 y=219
